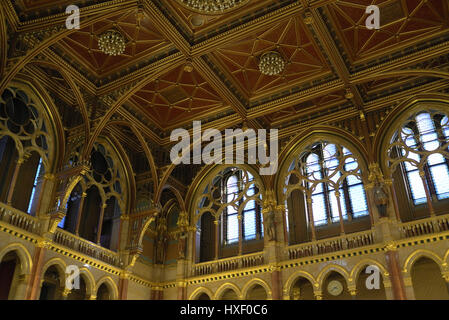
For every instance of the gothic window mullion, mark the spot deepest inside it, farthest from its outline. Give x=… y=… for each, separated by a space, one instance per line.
x=348 y=205
x=426 y=170
x=325 y=187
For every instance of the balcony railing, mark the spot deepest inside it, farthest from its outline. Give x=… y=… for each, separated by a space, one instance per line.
x=228 y=264
x=88 y=248
x=348 y=241
x=424 y=226
x=19 y=219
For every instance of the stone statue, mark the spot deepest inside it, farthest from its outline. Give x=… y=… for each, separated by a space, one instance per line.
x=270 y=225
x=160 y=250
x=182 y=245
x=380 y=191
x=162 y=239
x=381 y=199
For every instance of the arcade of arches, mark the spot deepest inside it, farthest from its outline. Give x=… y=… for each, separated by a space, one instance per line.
x=358 y=208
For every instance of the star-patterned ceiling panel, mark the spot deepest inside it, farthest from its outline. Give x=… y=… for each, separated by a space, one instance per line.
x=177 y=97
x=304 y=61
x=141 y=38
x=327 y=101
x=375 y=86
x=37 y=4
x=400 y=22
x=198 y=23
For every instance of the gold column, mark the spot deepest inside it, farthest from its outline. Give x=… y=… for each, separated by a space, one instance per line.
x=80 y=212
x=14 y=181
x=100 y=222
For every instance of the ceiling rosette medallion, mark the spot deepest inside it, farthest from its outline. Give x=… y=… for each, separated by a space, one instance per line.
x=271 y=63
x=112 y=43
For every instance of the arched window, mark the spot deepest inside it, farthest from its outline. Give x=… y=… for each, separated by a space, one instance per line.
x=328 y=162
x=94 y=207
x=25 y=149
x=251 y=213
x=422 y=135
x=229 y=216
x=420 y=149
x=323 y=184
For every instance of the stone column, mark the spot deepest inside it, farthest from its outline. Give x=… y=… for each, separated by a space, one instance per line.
x=340 y=214
x=182 y=290
x=45 y=194
x=296 y=294
x=35 y=276
x=408 y=286
x=217 y=239
x=157 y=293
x=318 y=294
x=80 y=212
x=12 y=186
x=394 y=269
x=393 y=198
x=428 y=195
x=100 y=222
x=353 y=293
x=310 y=216
x=21 y=287
x=446 y=279
x=240 y=219
x=388 y=289
x=275 y=283
x=123 y=286
x=65 y=294
x=180 y=279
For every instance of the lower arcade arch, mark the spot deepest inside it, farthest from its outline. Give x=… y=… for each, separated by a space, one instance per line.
x=427 y=280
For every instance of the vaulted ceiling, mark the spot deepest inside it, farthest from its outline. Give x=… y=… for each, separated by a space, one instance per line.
x=180 y=65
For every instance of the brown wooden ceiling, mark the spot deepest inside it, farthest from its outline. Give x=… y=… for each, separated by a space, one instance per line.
x=225 y=87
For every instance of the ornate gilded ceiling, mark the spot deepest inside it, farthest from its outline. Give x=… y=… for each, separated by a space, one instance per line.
x=327 y=49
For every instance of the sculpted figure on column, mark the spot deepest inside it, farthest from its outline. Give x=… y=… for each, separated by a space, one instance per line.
x=270 y=223
x=380 y=191
x=182 y=245
x=162 y=239
x=269 y=215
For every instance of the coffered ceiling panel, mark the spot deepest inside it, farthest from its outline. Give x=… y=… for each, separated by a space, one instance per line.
x=177 y=97
x=198 y=23
x=401 y=21
x=141 y=37
x=291 y=39
x=313 y=105
x=330 y=55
